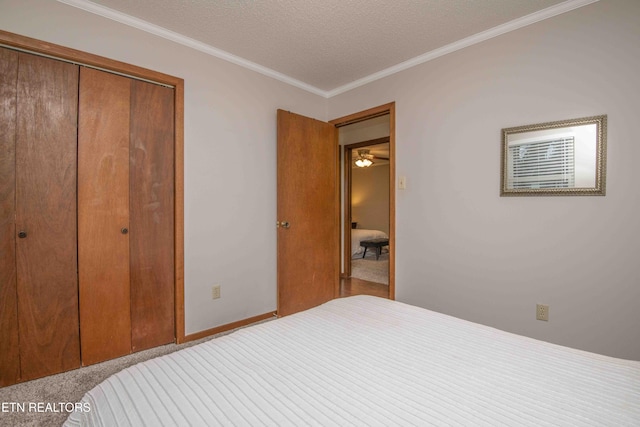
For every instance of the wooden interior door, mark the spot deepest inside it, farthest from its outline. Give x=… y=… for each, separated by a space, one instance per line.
x=9 y=350
x=47 y=282
x=308 y=248
x=103 y=215
x=152 y=216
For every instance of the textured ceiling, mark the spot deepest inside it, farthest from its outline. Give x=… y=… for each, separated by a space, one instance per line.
x=327 y=44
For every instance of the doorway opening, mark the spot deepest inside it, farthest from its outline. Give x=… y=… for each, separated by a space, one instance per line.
x=368 y=202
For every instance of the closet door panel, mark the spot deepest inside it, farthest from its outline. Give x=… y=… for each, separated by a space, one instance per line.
x=152 y=219
x=46 y=149
x=103 y=212
x=9 y=351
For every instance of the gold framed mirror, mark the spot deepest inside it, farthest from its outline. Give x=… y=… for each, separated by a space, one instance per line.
x=563 y=158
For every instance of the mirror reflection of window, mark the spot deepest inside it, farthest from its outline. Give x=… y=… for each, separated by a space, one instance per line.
x=544 y=163
x=550 y=158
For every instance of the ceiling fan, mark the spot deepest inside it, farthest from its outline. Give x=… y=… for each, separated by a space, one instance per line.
x=365 y=159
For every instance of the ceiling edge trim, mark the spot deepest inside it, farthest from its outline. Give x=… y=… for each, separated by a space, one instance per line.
x=148 y=27
x=541 y=15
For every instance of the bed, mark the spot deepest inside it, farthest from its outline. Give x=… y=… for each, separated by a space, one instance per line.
x=360 y=234
x=370 y=361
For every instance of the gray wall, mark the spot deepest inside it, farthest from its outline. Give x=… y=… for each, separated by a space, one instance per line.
x=465 y=251
x=370 y=197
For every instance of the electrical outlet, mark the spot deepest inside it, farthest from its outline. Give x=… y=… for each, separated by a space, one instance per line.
x=542 y=312
x=215 y=292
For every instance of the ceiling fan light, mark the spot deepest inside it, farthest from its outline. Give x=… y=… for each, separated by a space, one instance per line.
x=364 y=159
x=363 y=163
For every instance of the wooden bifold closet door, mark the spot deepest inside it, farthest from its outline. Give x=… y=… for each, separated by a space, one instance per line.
x=125 y=215
x=38 y=238
x=103 y=211
x=86 y=216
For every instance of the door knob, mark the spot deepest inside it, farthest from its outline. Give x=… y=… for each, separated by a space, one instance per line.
x=124 y=230
x=22 y=234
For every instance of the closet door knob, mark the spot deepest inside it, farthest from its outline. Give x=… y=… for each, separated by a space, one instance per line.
x=124 y=230
x=22 y=234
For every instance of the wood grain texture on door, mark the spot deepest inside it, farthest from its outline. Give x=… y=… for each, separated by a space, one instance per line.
x=103 y=213
x=46 y=149
x=9 y=350
x=308 y=250
x=152 y=215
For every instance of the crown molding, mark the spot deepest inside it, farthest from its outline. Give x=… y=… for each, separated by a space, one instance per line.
x=140 y=24
x=466 y=42
x=148 y=27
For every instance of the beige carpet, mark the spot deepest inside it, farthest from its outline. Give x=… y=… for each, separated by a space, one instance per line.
x=69 y=387
x=370 y=269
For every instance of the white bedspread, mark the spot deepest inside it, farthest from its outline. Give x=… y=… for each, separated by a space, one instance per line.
x=370 y=361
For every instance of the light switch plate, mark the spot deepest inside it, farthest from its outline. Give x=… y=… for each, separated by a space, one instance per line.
x=402 y=182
